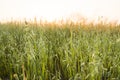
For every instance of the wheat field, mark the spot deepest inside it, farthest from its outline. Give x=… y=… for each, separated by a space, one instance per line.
x=59 y=52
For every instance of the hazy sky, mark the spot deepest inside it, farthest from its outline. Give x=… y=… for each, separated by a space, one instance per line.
x=51 y=9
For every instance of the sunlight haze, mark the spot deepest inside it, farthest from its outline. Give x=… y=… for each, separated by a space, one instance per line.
x=57 y=9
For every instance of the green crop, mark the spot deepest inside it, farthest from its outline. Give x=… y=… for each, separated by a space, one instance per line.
x=69 y=52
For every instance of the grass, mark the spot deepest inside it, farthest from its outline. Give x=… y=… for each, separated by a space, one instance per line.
x=59 y=52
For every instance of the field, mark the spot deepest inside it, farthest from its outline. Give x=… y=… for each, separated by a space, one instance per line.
x=59 y=52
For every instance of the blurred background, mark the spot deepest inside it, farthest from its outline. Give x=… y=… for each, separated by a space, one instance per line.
x=59 y=9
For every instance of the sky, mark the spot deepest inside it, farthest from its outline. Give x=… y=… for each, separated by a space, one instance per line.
x=57 y=9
